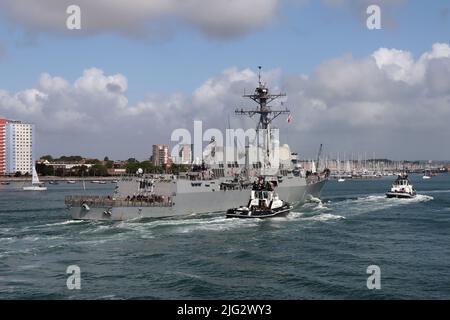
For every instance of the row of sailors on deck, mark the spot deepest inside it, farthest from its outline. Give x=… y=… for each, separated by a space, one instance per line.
x=152 y=198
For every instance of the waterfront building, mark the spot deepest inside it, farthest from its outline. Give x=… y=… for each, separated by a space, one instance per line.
x=185 y=154
x=17 y=147
x=2 y=146
x=160 y=155
x=116 y=171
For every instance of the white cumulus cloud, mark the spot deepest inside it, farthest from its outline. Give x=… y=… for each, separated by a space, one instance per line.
x=218 y=18
x=389 y=103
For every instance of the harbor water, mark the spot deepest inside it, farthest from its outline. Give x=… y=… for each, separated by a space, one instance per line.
x=319 y=251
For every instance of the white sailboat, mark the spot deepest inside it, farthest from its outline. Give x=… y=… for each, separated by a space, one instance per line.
x=341 y=179
x=36 y=185
x=313 y=167
x=348 y=168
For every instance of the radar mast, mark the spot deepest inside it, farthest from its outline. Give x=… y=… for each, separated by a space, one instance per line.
x=266 y=113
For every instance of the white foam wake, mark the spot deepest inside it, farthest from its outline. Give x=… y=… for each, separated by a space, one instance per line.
x=373 y=203
x=325 y=217
x=383 y=198
x=422 y=198
x=437 y=191
x=63 y=223
x=314 y=199
x=183 y=225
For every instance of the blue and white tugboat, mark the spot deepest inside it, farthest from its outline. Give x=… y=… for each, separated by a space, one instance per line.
x=402 y=188
x=263 y=203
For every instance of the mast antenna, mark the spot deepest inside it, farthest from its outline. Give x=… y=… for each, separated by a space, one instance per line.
x=259 y=75
x=263 y=98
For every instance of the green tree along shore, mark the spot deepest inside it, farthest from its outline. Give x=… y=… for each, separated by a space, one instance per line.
x=63 y=158
x=98 y=168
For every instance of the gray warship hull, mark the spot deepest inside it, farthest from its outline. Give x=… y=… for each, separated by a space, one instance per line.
x=185 y=204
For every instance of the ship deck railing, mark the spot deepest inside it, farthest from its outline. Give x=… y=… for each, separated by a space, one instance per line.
x=98 y=201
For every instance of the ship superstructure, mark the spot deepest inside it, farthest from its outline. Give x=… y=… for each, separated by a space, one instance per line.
x=217 y=184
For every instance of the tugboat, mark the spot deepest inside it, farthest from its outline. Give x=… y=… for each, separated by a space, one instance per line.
x=263 y=203
x=402 y=188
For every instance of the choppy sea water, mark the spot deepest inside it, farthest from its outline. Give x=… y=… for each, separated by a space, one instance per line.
x=320 y=251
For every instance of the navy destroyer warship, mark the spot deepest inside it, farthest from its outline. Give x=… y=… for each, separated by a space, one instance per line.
x=214 y=186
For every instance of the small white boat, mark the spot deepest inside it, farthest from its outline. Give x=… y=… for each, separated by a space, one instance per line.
x=427 y=174
x=402 y=188
x=71 y=181
x=341 y=180
x=98 y=181
x=36 y=185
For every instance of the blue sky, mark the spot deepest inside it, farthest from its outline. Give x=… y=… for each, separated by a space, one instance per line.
x=301 y=37
x=297 y=38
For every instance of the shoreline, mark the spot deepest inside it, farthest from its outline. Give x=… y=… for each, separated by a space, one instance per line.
x=54 y=178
